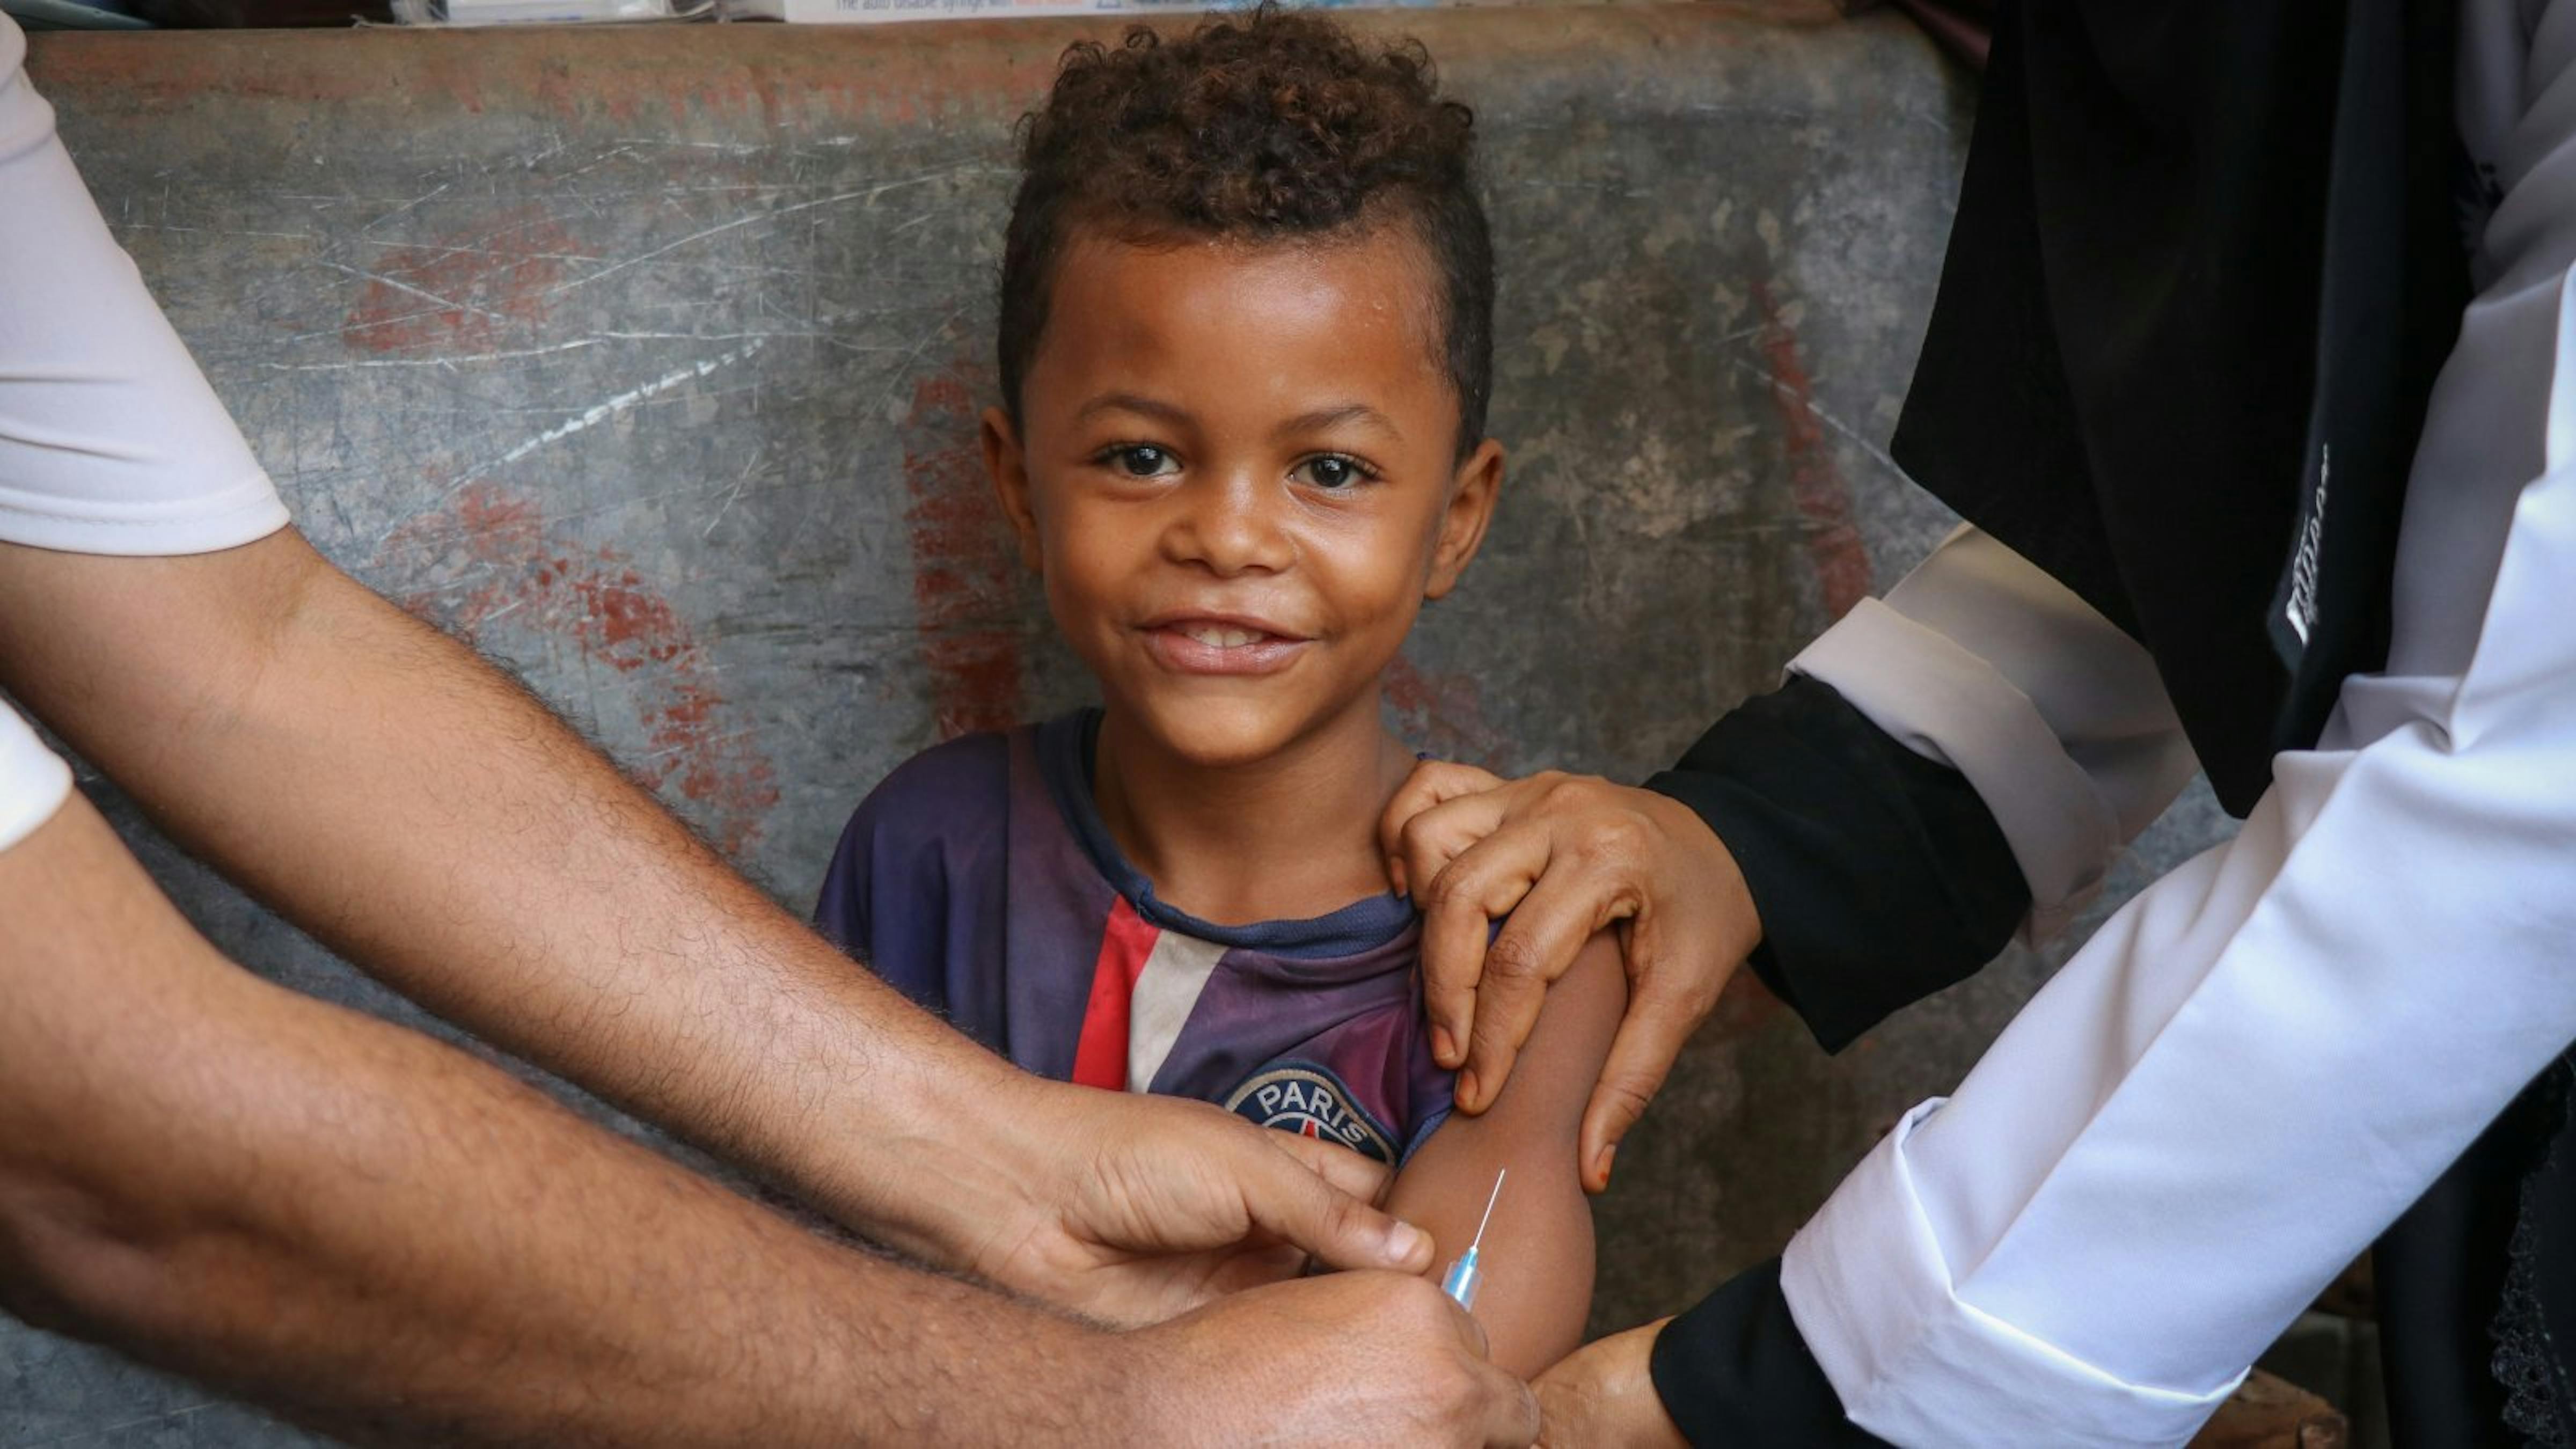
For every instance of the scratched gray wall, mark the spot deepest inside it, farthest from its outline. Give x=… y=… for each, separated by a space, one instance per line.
x=649 y=360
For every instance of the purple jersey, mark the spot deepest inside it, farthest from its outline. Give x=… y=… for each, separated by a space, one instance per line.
x=980 y=881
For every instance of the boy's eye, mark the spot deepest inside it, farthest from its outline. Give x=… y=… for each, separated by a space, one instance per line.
x=1332 y=470
x=1140 y=460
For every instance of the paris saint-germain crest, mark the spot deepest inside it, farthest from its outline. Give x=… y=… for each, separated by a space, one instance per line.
x=1309 y=1100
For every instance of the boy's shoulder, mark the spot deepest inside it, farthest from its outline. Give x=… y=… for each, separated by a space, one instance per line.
x=947 y=770
x=957 y=787
x=928 y=828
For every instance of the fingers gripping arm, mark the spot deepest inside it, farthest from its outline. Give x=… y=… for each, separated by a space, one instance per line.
x=1838 y=835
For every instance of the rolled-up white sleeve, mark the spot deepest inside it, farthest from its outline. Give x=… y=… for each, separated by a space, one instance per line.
x=1981 y=661
x=111 y=442
x=110 y=439
x=2264 y=1058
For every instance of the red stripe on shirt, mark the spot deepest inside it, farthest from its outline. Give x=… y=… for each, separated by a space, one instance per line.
x=1100 y=1059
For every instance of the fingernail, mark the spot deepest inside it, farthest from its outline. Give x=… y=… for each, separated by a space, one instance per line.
x=1607 y=1154
x=1444 y=1047
x=1404 y=1240
x=1466 y=1088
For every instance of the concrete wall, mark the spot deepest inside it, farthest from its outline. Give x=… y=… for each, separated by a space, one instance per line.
x=649 y=359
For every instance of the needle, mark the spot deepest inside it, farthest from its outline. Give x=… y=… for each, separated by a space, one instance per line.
x=1464 y=1276
x=1489 y=1209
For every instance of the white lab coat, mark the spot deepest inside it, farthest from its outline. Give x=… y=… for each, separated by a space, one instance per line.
x=2264 y=1058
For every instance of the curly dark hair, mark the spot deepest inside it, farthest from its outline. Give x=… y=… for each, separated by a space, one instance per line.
x=1263 y=126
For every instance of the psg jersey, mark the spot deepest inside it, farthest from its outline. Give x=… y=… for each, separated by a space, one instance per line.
x=980 y=881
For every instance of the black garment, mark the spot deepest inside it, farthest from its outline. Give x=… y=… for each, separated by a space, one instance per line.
x=1847 y=838
x=2205 y=263
x=2206 y=260
x=1749 y=1377
x=2485 y=1248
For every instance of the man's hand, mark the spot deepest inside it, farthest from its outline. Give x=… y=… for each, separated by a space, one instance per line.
x=1564 y=856
x=1604 y=1394
x=1134 y=1208
x=1355 y=1358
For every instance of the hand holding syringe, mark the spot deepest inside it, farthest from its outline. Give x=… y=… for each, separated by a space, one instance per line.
x=1461 y=1280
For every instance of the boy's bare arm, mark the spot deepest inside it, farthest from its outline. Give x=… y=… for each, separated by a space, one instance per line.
x=419 y=812
x=1537 y=1253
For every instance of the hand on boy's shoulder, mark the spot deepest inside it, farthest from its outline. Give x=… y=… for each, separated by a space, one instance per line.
x=1563 y=857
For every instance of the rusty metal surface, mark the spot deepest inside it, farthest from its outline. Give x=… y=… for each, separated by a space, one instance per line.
x=649 y=359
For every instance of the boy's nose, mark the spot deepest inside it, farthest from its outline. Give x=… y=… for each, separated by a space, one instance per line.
x=1230 y=524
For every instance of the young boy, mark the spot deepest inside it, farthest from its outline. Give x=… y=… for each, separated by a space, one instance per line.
x=1246 y=324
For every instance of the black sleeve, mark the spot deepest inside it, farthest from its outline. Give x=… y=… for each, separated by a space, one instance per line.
x=1880 y=875
x=1734 y=1370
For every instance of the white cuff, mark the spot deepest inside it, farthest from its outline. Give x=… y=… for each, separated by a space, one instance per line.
x=34 y=781
x=1917 y=1366
x=1947 y=704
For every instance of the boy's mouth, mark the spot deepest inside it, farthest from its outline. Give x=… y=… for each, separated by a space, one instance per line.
x=1220 y=646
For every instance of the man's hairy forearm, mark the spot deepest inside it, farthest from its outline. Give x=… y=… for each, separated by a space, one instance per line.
x=332 y=1216
x=388 y=791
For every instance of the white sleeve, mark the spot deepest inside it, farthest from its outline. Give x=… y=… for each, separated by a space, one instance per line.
x=1983 y=662
x=110 y=439
x=2262 y=1060
x=33 y=782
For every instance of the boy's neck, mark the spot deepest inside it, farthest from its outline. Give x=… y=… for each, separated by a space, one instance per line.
x=1288 y=837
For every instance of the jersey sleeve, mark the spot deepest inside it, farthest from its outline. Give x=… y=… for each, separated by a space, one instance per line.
x=111 y=442
x=917 y=888
x=1433 y=1091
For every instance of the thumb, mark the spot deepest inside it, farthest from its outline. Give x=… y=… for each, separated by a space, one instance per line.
x=1292 y=1201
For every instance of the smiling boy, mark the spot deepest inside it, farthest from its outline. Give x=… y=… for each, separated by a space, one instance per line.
x=1246 y=325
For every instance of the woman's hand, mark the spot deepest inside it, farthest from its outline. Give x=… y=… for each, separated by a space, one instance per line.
x=1603 y=1394
x=1564 y=856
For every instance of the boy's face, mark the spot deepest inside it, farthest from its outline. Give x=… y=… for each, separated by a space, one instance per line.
x=1238 y=478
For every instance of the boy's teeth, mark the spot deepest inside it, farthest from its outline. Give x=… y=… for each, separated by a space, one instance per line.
x=1216 y=637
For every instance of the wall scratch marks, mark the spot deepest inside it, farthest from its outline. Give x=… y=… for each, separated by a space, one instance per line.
x=605 y=409
x=472 y=288
x=837 y=198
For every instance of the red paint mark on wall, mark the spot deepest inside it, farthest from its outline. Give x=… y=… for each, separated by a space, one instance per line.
x=966 y=595
x=460 y=293
x=1442 y=713
x=1823 y=499
x=497 y=560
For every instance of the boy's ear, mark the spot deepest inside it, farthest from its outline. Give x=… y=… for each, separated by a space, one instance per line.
x=1008 y=467
x=1462 y=526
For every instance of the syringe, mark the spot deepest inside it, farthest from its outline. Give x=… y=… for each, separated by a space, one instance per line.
x=1461 y=1281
